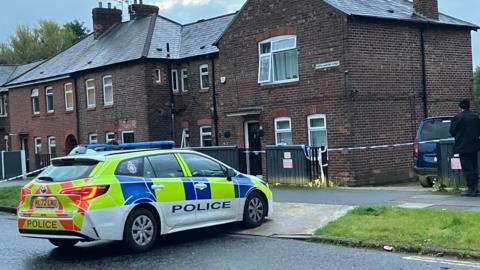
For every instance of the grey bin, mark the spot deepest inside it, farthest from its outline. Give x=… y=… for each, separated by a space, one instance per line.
x=287 y=165
x=448 y=177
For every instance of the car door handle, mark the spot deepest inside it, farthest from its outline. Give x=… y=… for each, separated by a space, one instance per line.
x=200 y=186
x=158 y=187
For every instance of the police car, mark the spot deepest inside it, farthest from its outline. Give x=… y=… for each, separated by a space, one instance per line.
x=136 y=195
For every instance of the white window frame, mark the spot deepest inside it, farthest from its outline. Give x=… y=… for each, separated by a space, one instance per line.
x=202 y=134
x=35 y=95
x=174 y=79
x=310 y=128
x=49 y=93
x=279 y=131
x=69 y=92
x=91 y=104
x=3 y=105
x=207 y=73
x=104 y=90
x=127 y=132
x=158 y=75
x=50 y=144
x=271 y=74
x=91 y=140
x=184 y=75
x=37 y=142
x=185 y=138
x=108 y=134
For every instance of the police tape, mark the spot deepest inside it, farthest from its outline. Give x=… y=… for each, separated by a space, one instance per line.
x=383 y=146
x=21 y=176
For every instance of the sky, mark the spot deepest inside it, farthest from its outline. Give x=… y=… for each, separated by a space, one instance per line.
x=184 y=11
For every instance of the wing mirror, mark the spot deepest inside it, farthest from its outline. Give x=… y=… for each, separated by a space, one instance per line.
x=231 y=173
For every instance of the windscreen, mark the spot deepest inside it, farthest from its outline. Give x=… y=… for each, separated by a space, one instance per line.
x=436 y=129
x=68 y=170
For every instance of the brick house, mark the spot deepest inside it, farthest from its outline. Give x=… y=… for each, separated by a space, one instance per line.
x=356 y=72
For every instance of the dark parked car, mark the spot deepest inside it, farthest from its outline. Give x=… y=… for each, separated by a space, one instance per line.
x=425 y=151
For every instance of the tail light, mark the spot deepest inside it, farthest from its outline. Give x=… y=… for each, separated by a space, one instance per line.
x=87 y=192
x=415 y=149
x=24 y=192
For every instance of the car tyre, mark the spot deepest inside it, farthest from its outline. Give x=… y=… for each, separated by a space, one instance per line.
x=426 y=182
x=254 y=211
x=141 y=230
x=63 y=243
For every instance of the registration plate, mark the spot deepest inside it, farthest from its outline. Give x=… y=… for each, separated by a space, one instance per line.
x=46 y=202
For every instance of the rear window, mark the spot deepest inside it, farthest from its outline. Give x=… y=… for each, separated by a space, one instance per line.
x=436 y=129
x=68 y=170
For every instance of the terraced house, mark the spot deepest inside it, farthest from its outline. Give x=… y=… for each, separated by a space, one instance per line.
x=335 y=73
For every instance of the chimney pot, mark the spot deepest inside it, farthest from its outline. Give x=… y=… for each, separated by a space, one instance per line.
x=100 y=4
x=109 y=5
x=427 y=8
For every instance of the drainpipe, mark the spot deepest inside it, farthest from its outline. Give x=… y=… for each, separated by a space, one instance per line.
x=424 y=71
x=77 y=108
x=172 y=95
x=214 y=100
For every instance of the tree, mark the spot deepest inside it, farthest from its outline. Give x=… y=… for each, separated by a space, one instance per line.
x=47 y=39
x=78 y=29
x=476 y=79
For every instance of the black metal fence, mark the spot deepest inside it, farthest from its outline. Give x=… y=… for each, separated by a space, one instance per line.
x=230 y=155
x=12 y=164
x=43 y=160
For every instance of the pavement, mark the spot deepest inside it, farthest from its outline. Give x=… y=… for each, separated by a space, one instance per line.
x=212 y=248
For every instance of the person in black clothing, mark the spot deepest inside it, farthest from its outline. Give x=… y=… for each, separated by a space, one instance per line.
x=465 y=128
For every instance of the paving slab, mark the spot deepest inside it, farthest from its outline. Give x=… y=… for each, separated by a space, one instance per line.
x=298 y=219
x=415 y=205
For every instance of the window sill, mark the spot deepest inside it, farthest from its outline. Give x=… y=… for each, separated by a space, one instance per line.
x=91 y=109
x=203 y=91
x=50 y=113
x=280 y=84
x=3 y=116
x=69 y=111
x=109 y=106
x=36 y=115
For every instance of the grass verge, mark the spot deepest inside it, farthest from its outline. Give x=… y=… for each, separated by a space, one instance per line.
x=416 y=228
x=9 y=196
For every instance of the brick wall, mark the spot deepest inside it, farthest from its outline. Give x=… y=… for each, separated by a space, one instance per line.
x=128 y=111
x=24 y=124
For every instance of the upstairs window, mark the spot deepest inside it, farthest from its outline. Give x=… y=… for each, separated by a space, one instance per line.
x=204 y=77
x=90 y=87
x=206 y=136
x=317 y=130
x=3 y=105
x=175 y=80
x=278 y=60
x=184 y=75
x=68 y=97
x=49 y=99
x=93 y=138
x=107 y=90
x=283 y=131
x=128 y=136
x=158 y=76
x=36 y=101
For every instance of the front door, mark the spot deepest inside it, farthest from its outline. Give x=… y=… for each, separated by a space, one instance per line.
x=25 y=148
x=253 y=143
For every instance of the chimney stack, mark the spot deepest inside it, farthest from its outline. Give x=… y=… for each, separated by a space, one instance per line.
x=104 y=18
x=140 y=10
x=427 y=8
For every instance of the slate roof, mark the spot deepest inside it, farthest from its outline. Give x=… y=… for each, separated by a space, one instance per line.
x=148 y=38
x=132 y=40
x=10 y=72
x=402 y=10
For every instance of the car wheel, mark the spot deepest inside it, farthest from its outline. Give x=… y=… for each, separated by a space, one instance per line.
x=426 y=182
x=141 y=230
x=63 y=243
x=255 y=210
